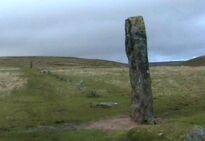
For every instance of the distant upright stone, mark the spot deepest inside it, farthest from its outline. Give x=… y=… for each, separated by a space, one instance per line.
x=136 y=50
x=31 y=65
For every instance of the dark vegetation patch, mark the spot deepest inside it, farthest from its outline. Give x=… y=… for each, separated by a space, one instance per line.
x=45 y=62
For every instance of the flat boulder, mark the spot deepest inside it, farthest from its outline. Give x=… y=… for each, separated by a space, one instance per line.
x=103 y=105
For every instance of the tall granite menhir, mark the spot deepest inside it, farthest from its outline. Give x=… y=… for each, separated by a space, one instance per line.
x=136 y=50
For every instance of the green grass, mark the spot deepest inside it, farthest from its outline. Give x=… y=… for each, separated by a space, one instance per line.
x=63 y=136
x=45 y=100
x=55 y=99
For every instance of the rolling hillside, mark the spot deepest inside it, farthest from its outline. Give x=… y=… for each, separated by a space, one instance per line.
x=199 y=61
x=80 y=62
x=56 y=62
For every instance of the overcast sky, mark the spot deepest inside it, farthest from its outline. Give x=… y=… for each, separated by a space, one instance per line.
x=95 y=28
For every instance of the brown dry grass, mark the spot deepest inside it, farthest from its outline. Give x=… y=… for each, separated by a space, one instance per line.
x=10 y=78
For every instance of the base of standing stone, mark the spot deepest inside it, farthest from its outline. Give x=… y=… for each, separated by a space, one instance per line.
x=151 y=121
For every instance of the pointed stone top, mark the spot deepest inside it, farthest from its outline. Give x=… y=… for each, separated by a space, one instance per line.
x=135 y=18
x=136 y=21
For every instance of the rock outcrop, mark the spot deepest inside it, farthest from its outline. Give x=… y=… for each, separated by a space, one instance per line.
x=196 y=135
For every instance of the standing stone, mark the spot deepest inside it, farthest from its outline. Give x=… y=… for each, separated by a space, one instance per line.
x=31 y=65
x=136 y=50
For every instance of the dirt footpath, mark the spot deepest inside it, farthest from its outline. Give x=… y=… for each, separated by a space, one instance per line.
x=120 y=123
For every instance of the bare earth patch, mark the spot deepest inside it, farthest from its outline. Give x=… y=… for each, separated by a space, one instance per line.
x=120 y=123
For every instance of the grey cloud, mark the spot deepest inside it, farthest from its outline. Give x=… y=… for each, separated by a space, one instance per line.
x=95 y=29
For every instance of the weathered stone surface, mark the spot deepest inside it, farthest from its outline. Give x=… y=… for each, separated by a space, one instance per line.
x=136 y=50
x=197 y=135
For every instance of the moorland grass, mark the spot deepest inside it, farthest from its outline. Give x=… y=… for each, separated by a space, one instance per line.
x=45 y=99
x=49 y=100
